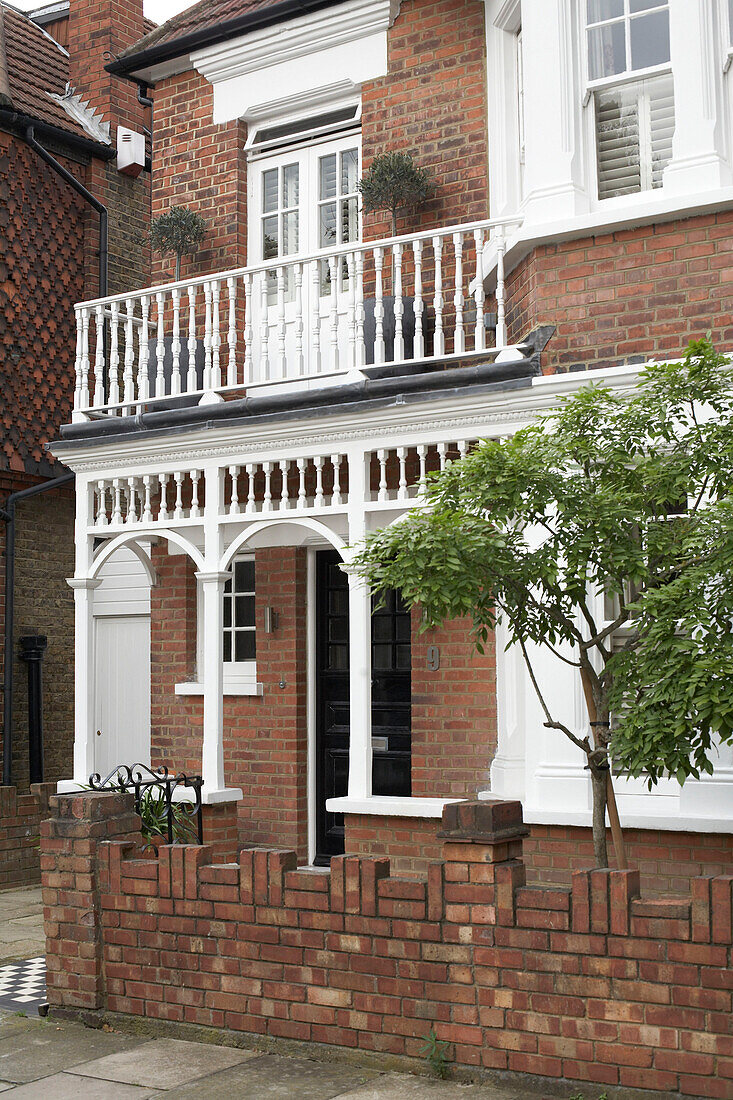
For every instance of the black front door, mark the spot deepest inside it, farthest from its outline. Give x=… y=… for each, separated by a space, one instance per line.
x=391 y=691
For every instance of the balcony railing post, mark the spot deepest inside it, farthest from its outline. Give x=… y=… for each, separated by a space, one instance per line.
x=500 y=288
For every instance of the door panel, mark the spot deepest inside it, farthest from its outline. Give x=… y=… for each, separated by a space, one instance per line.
x=391 y=699
x=122 y=692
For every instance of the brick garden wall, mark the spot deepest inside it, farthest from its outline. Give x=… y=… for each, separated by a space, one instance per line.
x=21 y=813
x=590 y=983
x=622 y=297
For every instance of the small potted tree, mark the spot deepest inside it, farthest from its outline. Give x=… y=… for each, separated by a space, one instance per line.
x=395 y=185
x=178 y=232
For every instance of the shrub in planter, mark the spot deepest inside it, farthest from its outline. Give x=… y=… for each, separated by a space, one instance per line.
x=179 y=232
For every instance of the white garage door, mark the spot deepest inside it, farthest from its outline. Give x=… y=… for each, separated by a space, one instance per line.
x=122 y=664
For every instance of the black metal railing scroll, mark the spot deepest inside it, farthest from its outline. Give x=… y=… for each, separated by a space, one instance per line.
x=179 y=820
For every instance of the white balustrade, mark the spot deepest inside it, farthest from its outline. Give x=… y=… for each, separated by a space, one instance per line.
x=420 y=297
x=148 y=498
x=401 y=474
x=302 y=484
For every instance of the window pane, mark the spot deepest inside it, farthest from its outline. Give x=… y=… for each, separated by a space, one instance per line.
x=599 y=10
x=291 y=233
x=269 y=190
x=617 y=142
x=244 y=645
x=244 y=576
x=403 y=656
x=269 y=238
x=327 y=233
x=644 y=5
x=650 y=40
x=606 y=50
x=661 y=117
x=338 y=657
x=328 y=176
x=382 y=628
x=382 y=656
x=227 y=612
x=403 y=628
x=338 y=629
x=338 y=601
x=349 y=220
x=290 y=185
x=244 y=611
x=349 y=171
x=227 y=647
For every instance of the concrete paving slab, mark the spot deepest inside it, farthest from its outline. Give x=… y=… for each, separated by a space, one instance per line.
x=399 y=1086
x=163 y=1063
x=48 y=1048
x=271 y=1077
x=5 y=1085
x=67 y=1086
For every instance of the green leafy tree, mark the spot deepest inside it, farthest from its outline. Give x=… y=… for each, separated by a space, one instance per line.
x=394 y=183
x=179 y=232
x=615 y=499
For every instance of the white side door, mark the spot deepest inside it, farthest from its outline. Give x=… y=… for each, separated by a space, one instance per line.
x=302 y=201
x=122 y=664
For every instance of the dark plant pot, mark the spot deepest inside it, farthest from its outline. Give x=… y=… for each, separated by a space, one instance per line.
x=388 y=328
x=182 y=402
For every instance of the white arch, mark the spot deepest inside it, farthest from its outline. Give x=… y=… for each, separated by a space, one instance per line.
x=303 y=521
x=129 y=538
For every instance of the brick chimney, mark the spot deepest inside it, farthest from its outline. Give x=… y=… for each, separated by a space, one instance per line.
x=99 y=30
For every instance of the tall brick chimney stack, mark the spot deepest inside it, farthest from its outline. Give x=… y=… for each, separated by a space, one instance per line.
x=99 y=30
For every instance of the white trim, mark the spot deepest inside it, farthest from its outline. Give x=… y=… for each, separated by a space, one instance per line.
x=231 y=687
x=386 y=806
x=311 y=719
x=223 y=794
x=683 y=823
x=347 y=42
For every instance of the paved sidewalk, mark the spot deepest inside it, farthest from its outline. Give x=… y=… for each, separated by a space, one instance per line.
x=21 y=924
x=63 y=1060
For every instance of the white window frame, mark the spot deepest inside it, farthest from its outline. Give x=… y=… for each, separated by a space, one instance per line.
x=240 y=671
x=628 y=75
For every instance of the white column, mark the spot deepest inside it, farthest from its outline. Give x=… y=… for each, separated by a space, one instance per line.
x=360 y=640
x=509 y=765
x=698 y=162
x=360 y=689
x=84 y=647
x=553 y=172
x=212 y=751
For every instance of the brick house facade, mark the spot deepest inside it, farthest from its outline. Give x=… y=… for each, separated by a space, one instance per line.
x=271 y=430
x=49 y=260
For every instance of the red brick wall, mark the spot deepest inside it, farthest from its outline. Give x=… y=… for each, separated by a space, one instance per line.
x=409 y=842
x=265 y=737
x=20 y=833
x=453 y=712
x=432 y=104
x=621 y=297
x=592 y=984
x=97 y=31
x=667 y=861
x=201 y=165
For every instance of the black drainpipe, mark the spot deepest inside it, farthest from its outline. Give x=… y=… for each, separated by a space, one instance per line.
x=32 y=649
x=8 y=515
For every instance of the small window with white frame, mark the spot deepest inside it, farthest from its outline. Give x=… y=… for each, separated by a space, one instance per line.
x=628 y=65
x=240 y=646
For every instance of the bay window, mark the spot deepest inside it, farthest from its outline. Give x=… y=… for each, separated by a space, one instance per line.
x=633 y=118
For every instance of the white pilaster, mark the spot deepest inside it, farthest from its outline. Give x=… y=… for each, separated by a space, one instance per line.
x=84 y=644
x=360 y=641
x=553 y=172
x=212 y=750
x=698 y=146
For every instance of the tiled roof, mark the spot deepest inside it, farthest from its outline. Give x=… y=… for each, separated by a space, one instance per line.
x=37 y=68
x=207 y=13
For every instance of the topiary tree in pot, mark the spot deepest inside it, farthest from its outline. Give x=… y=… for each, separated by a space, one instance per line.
x=394 y=184
x=179 y=232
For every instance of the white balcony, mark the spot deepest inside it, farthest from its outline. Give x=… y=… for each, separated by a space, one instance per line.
x=303 y=322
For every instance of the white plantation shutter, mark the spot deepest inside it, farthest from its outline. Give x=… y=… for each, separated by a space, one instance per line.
x=634 y=128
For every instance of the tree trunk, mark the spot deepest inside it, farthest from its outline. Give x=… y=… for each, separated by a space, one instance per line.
x=178 y=267
x=599 y=783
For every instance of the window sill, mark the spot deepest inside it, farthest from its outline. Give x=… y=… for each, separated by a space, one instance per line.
x=243 y=687
x=390 y=806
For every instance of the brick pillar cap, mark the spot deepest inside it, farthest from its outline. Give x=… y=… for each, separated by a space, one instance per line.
x=92 y=805
x=483 y=821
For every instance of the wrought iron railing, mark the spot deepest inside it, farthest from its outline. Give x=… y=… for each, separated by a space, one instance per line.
x=177 y=820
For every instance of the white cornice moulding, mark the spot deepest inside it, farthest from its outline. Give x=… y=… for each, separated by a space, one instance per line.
x=345 y=43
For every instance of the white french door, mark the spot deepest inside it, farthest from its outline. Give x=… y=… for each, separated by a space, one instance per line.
x=300 y=202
